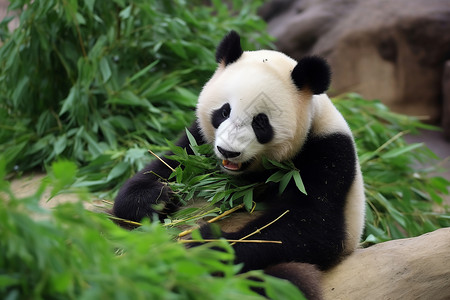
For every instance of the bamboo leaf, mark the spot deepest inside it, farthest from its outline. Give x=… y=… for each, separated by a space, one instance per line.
x=105 y=70
x=248 y=199
x=285 y=181
x=276 y=177
x=402 y=150
x=299 y=182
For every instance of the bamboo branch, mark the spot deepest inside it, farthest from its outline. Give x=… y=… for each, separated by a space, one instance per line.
x=124 y=220
x=226 y=213
x=161 y=160
x=198 y=216
x=259 y=229
x=107 y=202
x=231 y=241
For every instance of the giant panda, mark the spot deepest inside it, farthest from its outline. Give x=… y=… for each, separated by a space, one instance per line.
x=264 y=104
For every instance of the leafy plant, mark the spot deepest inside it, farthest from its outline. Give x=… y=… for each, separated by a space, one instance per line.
x=71 y=253
x=198 y=176
x=401 y=194
x=102 y=81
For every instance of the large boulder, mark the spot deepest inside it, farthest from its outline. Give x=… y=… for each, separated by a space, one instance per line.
x=390 y=50
x=414 y=268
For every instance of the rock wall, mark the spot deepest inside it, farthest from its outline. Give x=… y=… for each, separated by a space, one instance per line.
x=390 y=50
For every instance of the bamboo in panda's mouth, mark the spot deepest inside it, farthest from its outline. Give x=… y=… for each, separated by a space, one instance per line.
x=231 y=165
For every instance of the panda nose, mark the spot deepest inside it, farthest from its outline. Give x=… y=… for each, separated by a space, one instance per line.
x=228 y=154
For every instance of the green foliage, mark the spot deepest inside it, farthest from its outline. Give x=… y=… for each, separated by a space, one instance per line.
x=71 y=253
x=401 y=194
x=99 y=81
x=199 y=177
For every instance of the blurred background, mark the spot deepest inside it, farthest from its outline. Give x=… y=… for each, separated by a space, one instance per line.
x=395 y=51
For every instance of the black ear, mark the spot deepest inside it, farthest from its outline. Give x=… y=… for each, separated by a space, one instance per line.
x=312 y=72
x=229 y=49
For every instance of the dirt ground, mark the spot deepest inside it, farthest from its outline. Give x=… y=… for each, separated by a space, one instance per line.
x=27 y=185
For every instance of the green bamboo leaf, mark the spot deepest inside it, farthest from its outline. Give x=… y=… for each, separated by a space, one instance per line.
x=192 y=142
x=143 y=72
x=299 y=182
x=248 y=199
x=285 y=181
x=120 y=169
x=60 y=145
x=276 y=177
x=105 y=70
x=402 y=150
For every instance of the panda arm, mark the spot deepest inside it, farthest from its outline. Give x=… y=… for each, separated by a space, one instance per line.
x=144 y=195
x=313 y=230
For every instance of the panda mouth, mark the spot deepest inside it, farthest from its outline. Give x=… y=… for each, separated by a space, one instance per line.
x=235 y=166
x=231 y=166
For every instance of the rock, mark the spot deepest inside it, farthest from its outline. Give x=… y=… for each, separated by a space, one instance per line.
x=414 y=268
x=390 y=50
x=446 y=101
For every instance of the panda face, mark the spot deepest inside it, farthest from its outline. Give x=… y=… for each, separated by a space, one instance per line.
x=251 y=109
x=239 y=138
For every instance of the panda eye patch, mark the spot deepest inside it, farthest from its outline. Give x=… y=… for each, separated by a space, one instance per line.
x=262 y=128
x=225 y=113
x=220 y=115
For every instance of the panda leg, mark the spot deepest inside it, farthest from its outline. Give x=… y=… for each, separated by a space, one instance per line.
x=306 y=277
x=144 y=195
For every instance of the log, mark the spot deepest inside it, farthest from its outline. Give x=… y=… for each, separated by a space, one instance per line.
x=412 y=268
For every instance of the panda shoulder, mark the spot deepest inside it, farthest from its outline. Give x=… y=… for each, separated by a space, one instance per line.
x=326 y=117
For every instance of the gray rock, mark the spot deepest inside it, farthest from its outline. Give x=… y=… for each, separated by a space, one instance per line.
x=414 y=268
x=390 y=50
x=446 y=101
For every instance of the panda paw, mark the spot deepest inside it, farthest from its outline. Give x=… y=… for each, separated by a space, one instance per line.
x=138 y=200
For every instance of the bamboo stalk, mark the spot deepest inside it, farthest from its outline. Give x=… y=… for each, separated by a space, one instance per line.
x=198 y=216
x=259 y=229
x=226 y=213
x=231 y=241
x=124 y=220
x=161 y=160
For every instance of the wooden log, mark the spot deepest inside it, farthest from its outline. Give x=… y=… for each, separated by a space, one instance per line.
x=413 y=268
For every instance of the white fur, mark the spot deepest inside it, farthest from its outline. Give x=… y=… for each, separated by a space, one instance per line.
x=244 y=86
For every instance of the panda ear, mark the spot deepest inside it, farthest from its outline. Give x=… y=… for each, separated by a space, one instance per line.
x=313 y=73
x=229 y=49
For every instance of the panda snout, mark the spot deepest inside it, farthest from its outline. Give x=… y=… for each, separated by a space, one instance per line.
x=228 y=154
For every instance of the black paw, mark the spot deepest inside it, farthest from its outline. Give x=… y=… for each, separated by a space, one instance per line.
x=143 y=199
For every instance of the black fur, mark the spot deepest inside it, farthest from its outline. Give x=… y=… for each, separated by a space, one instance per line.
x=229 y=49
x=144 y=195
x=312 y=72
x=220 y=115
x=262 y=128
x=313 y=230
x=305 y=276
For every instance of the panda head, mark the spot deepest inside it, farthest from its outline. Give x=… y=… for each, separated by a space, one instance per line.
x=258 y=104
